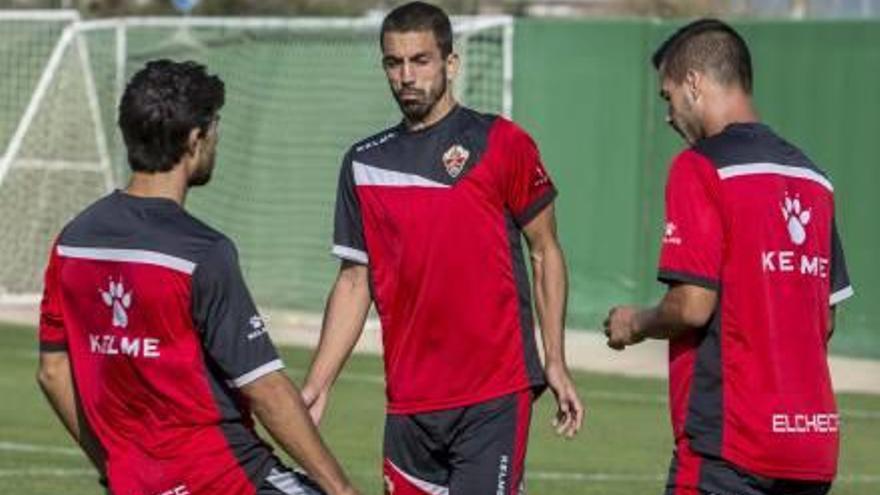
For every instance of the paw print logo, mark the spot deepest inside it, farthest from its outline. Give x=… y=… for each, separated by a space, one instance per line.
x=116 y=298
x=796 y=218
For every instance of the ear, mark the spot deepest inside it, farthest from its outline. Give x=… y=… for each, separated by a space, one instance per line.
x=693 y=82
x=453 y=65
x=193 y=140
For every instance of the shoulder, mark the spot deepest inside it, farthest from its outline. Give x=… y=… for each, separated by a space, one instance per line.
x=474 y=118
x=511 y=134
x=195 y=240
x=373 y=143
x=692 y=165
x=503 y=126
x=202 y=229
x=753 y=144
x=99 y=211
x=217 y=259
x=725 y=147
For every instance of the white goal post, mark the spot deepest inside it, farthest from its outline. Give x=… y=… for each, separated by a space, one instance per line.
x=299 y=90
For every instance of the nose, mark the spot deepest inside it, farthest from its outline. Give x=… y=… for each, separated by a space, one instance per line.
x=407 y=74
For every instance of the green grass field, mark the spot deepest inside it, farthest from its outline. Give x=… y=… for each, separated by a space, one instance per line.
x=623 y=450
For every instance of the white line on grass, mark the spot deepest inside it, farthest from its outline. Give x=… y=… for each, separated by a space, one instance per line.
x=47 y=472
x=593 y=477
x=859 y=414
x=859 y=478
x=38 y=449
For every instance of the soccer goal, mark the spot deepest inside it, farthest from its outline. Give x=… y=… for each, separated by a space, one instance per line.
x=299 y=91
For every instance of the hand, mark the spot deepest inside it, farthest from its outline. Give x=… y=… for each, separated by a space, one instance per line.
x=620 y=327
x=569 y=409
x=316 y=402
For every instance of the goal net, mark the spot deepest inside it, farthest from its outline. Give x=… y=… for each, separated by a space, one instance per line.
x=54 y=159
x=299 y=92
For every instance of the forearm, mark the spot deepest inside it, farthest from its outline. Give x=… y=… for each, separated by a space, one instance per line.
x=344 y=317
x=551 y=295
x=658 y=323
x=277 y=404
x=56 y=382
x=682 y=309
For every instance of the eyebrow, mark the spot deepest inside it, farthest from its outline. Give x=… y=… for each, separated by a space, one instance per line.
x=414 y=56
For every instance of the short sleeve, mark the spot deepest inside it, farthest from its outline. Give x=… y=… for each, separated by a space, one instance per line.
x=527 y=185
x=348 y=235
x=693 y=238
x=841 y=288
x=233 y=333
x=52 y=335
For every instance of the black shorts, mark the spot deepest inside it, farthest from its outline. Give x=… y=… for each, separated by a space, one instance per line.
x=476 y=450
x=693 y=474
x=285 y=481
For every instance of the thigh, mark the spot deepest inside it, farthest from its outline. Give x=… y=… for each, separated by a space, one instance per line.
x=285 y=481
x=415 y=460
x=489 y=450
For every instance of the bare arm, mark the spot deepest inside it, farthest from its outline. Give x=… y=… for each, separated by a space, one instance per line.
x=550 y=283
x=551 y=296
x=277 y=404
x=344 y=318
x=683 y=308
x=56 y=381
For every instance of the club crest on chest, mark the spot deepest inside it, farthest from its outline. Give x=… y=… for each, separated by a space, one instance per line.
x=455 y=159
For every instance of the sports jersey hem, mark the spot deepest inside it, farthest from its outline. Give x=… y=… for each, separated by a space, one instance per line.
x=756 y=468
x=841 y=295
x=257 y=373
x=672 y=276
x=53 y=346
x=538 y=205
x=350 y=254
x=426 y=407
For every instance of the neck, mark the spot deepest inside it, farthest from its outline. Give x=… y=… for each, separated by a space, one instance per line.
x=733 y=108
x=169 y=185
x=440 y=109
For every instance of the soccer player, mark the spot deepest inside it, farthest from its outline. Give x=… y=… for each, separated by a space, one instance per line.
x=429 y=217
x=754 y=268
x=153 y=354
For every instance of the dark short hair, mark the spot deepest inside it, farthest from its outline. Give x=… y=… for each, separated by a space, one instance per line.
x=708 y=45
x=161 y=105
x=419 y=16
